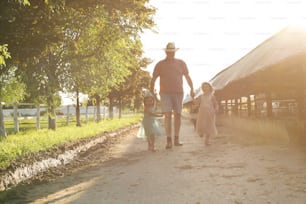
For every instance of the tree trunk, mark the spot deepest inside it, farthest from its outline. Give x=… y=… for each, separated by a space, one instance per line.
x=52 y=118
x=2 y=127
x=111 y=108
x=98 y=112
x=77 y=114
x=16 y=122
x=120 y=107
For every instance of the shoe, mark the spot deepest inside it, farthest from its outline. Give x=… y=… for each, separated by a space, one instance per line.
x=176 y=141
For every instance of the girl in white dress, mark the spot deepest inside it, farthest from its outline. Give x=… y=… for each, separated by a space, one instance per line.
x=206 y=118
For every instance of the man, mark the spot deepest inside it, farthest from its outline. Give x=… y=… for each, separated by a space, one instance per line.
x=171 y=71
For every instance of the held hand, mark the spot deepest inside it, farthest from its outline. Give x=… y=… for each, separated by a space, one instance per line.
x=159 y=114
x=156 y=99
x=192 y=93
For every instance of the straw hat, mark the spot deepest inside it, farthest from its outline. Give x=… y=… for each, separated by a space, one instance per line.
x=171 y=47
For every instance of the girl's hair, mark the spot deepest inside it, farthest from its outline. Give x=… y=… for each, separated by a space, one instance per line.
x=206 y=84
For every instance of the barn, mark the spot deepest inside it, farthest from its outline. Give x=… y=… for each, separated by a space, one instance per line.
x=269 y=81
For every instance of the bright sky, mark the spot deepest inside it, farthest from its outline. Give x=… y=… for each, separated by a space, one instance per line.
x=213 y=34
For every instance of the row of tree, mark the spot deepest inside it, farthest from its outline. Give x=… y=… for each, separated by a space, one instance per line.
x=91 y=46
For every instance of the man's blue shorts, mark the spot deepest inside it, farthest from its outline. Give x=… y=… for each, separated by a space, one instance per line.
x=171 y=102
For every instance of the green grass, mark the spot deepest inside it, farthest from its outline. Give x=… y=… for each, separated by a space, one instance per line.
x=31 y=141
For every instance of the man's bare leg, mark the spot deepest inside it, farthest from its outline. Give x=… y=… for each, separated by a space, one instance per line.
x=177 y=127
x=168 y=129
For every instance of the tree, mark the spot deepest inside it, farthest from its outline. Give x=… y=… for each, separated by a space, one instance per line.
x=33 y=34
x=103 y=50
x=81 y=46
x=130 y=92
x=11 y=90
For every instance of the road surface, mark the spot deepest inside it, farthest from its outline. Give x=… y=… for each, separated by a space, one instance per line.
x=226 y=172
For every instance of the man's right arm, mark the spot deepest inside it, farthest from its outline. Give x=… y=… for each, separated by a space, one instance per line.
x=152 y=84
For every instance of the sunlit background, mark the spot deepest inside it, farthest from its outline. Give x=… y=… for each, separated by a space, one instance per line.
x=213 y=34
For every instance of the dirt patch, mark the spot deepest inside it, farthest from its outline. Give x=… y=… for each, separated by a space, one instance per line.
x=57 y=161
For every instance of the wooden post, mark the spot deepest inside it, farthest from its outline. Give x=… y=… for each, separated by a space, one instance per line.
x=2 y=126
x=226 y=107
x=16 y=122
x=249 y=107
x=301 y=93
x=300 y=98
x=239 y=107
x=269 y=105
x=221 y=108
x=232 y=107
x=235 y=106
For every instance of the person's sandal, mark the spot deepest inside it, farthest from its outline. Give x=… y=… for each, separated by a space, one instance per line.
x=176 y=141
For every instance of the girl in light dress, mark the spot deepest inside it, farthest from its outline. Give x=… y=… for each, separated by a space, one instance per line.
x=206 y=118
x=150 y=127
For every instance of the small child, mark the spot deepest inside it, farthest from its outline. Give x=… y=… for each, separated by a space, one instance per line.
x=150 y=127
x=206 y=119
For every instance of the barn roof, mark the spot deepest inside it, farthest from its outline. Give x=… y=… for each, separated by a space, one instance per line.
x=288 y=43
x=276 y=57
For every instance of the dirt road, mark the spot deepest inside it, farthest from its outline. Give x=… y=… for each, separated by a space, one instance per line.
x=225 y=172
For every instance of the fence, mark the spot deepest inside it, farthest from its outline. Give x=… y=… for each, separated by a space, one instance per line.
x=66 y=114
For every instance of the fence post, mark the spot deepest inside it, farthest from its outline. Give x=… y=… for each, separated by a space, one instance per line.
x=269 y=108
x=249 y=107
x=16 y=123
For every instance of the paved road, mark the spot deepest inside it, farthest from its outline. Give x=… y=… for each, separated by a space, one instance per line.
x=225 y=172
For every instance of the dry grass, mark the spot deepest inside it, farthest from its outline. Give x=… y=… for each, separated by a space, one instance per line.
x=265 y=131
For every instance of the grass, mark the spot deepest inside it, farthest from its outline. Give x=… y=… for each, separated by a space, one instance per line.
x=265 y=131
x=31 y=141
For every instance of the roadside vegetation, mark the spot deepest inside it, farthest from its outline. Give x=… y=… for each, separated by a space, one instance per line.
x=32 y=141
x=77 y=48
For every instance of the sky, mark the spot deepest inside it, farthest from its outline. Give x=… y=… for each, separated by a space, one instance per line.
x=213 y=34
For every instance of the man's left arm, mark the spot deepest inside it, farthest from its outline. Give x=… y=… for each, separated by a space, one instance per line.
x=189 y=81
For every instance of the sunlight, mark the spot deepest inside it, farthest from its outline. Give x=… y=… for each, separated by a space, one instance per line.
x=213 y=34
x=69 y=194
